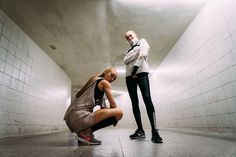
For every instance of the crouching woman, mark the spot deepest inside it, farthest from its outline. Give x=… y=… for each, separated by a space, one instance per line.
x=80 y=116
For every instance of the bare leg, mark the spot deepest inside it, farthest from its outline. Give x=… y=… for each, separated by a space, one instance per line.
x=107 y=113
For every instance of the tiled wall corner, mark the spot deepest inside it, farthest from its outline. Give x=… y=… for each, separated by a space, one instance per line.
x=34 y=91
x=195 y=86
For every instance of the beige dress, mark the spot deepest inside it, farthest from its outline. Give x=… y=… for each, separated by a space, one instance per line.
x=79 y=114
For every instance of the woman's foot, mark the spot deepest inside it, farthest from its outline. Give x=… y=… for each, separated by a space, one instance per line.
x=138 y=134
x=87 y=137
x=156 y=138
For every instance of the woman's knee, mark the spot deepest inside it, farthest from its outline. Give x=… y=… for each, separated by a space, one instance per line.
x=119 y=114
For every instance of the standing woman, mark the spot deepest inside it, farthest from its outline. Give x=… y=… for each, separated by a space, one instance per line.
x=137 y=75
x=80 y=117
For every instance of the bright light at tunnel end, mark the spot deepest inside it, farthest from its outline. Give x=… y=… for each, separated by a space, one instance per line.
x=120 y=71
x=152 y=2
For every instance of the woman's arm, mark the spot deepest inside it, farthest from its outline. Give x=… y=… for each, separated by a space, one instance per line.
x=106 y=87
x=131 y=56
x=143 y=53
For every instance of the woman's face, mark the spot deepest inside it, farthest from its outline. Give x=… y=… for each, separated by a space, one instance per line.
x=111 y=75
x=130 y=36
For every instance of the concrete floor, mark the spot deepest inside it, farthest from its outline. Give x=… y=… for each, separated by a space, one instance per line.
x=116 y=143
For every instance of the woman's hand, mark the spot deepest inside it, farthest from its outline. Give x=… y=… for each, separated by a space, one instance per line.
x=106 y=87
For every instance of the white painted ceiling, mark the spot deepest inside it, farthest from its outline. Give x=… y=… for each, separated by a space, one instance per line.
x=85 y=36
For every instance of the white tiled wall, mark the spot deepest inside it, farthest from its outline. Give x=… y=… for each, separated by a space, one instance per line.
x=195 y=86
x=34 y=91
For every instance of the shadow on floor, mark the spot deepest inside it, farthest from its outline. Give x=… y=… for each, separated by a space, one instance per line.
x=116 y=143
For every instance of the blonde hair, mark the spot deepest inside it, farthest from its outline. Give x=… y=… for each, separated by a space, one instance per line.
x=132 y=32
x=91 y=81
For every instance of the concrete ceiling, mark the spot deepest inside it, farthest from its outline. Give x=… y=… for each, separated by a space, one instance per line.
x=85 y=36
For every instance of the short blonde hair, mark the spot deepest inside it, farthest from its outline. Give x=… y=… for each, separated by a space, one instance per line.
x=130 y=32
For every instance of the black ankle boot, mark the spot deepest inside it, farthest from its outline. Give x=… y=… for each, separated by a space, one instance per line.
x=138 y=134
x=156 y=138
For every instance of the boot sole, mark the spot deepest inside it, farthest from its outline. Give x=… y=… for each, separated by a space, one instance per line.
x=87 y=142
x=158 y=141
x=139 y=137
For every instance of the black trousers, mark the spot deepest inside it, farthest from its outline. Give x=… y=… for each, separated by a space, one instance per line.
x=143 y=82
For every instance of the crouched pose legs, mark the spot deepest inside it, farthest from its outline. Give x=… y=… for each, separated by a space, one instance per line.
x=85 y=126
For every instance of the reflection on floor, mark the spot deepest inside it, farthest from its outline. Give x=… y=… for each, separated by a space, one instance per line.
x=116 y=143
